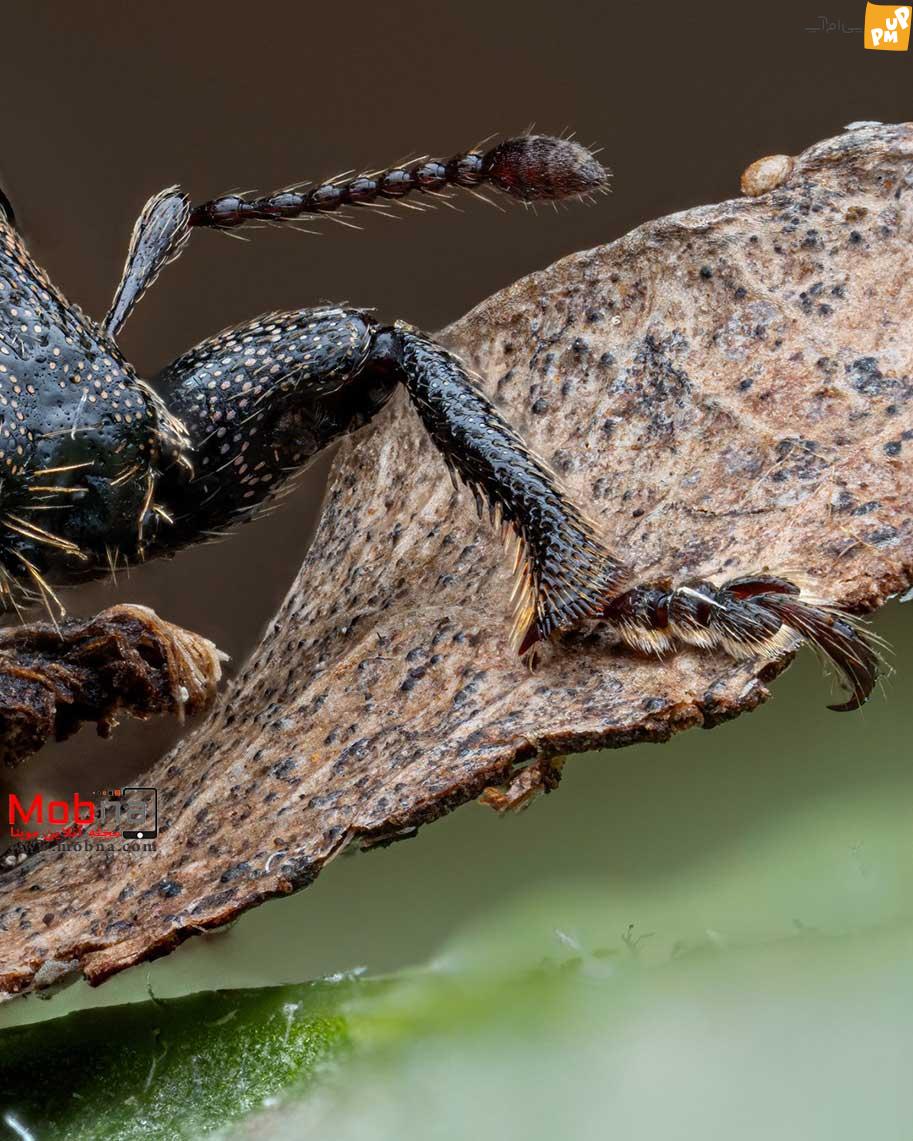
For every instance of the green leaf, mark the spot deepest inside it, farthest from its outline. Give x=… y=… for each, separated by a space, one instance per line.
x=167 y=1069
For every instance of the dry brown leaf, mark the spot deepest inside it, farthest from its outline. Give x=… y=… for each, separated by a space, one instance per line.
x=725 y=390
x=126 y=660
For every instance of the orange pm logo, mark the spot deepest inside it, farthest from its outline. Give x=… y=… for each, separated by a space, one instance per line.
x=887 y=27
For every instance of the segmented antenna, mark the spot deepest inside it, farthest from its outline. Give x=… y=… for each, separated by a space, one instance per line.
x=530 y=167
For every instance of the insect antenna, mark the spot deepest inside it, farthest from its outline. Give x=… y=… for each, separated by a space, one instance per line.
x=528 y=168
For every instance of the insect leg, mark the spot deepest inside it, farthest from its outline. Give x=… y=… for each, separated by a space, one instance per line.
x=565 y=572
x=261 y=400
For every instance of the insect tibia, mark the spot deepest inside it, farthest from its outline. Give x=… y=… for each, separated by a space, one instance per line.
x=761 y=617
x=530 y=167
x=564 y=572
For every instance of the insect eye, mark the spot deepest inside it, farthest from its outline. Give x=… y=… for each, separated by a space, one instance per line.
x=7 y=214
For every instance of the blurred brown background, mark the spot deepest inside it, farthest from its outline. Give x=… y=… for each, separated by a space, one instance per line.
x=103 y=104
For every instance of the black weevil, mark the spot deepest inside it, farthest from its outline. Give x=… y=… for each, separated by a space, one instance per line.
x=100 y=468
